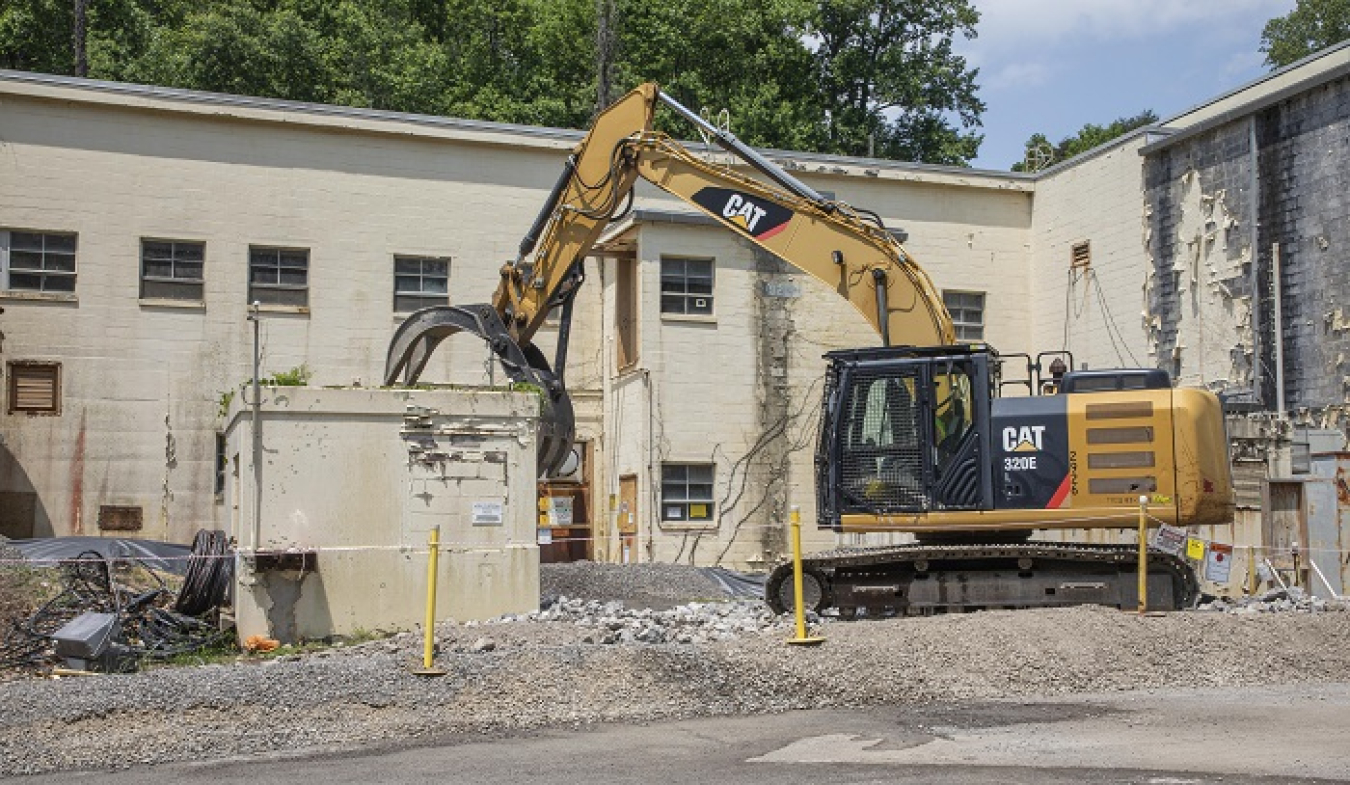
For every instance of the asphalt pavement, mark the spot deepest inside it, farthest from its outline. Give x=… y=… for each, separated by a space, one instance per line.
x=1233 y=735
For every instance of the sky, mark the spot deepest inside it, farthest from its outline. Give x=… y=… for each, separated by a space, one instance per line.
x=1052 y=66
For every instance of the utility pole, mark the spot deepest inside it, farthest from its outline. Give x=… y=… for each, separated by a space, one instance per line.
x=81 y=57
x=605 y=45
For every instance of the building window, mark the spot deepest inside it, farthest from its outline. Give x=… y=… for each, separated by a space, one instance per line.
x=967 y=311
x=687 y=492
x=172 y=269
x=687 y=286
x=420 y=282
x=37 y=261
x=278 y=276
x=34 y=388
x=222 y=464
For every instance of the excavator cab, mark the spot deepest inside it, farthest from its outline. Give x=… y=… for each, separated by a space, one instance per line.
x=905 y=431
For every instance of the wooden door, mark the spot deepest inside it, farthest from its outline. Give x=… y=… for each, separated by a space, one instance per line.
x=1284 y=525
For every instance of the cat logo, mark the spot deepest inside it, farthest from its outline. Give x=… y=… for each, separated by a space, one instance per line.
x=759 y=219
x=1028 y=438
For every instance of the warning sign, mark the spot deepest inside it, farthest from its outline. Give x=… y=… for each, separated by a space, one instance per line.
x=1169 y=539
x=1195 y=548
x=1218 y=563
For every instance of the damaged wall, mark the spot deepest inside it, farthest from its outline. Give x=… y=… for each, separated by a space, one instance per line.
x=1199 y=280
x=1218 y=211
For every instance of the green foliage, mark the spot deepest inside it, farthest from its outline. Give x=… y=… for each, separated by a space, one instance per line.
x=298 y=376
x=890 y=81
x=1311 y=26
x=35 y=35
x=223 y=405
x=838 y=76
x=1088 y=137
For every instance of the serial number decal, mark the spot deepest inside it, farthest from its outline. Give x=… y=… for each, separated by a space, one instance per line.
x=1073 y=472
x=1020 y=463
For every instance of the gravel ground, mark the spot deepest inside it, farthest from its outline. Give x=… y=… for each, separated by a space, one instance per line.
x=599 y=653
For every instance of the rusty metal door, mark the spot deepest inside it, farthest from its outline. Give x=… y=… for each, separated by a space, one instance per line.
x=628 y=518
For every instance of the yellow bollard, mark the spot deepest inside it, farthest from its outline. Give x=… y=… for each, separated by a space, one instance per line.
x=797 y=604
x=429 y=623
x=1143 y=555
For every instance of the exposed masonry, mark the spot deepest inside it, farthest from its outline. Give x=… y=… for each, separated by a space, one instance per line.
x=1205 y=272
x=1305 y=144
x=1198 y=288
x=776 y=291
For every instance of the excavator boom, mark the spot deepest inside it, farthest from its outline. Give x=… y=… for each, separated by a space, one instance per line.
x=915 y=437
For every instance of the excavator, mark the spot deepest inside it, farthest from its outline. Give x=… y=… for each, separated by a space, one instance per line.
x=916 y=435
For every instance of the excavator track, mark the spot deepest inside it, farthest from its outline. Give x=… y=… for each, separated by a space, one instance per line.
x=927 y=578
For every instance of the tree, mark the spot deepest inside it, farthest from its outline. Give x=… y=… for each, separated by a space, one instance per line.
x=745 y=56
x=1311 y=26
x=35 y=35
x=855 y=77
x=890 y=82
x=1088 y=137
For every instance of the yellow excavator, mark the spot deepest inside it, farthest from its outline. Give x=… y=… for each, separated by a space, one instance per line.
x=915 y=435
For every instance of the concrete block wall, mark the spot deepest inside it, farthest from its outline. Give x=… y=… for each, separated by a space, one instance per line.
x=1305 y=174
x=1097 y=312
x=143 y=380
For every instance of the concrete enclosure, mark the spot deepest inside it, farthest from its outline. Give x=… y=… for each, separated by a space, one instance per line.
x=333 y=502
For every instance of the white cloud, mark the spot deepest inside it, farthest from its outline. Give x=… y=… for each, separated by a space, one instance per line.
x=1008 y=26
x=1016 y=75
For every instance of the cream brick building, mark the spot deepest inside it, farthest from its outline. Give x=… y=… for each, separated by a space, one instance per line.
x=138 y=223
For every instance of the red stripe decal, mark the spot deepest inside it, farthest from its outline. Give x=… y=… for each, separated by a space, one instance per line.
x=1057 y=500
x=770 y=233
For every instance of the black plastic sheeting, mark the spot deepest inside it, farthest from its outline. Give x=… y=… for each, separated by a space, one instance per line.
x=737 y=584
x=163 y=556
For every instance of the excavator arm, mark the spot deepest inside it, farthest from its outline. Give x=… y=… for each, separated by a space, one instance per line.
x=844 y=248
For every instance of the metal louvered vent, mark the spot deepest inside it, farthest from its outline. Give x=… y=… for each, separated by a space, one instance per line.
x=881 y=463
x=113 y=518
x=1080 y=255
x=35 y=388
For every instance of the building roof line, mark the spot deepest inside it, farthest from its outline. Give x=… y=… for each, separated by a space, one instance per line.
x=205 y=98
x=1178 y=135
x=794 y=160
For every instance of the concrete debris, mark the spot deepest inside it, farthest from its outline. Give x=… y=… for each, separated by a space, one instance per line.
x=1290 y=600
x=600 y=659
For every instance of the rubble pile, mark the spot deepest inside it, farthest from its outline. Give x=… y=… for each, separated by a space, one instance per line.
x=695 y=623
x=656 y=586
x=1287 y=600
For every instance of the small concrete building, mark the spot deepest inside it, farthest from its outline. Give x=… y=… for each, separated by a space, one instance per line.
x=334 y=494
x=138 y=223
